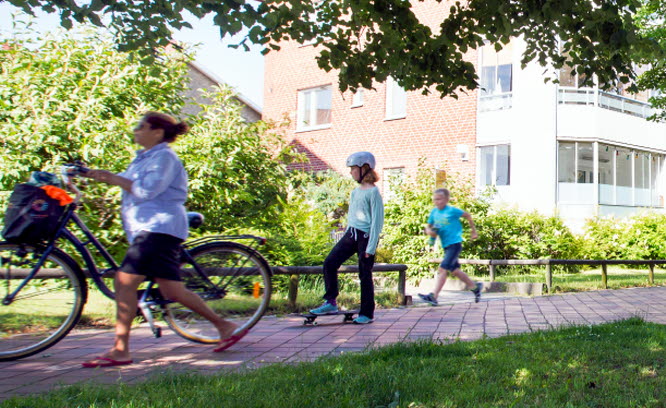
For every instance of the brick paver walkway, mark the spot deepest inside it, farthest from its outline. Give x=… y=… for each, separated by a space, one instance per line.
x=285 y=339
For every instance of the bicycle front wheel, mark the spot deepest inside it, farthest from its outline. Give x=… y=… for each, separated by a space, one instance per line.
x=46 y=308
x=236 y=285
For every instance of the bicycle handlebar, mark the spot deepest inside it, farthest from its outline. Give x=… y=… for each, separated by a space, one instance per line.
x=68 y=172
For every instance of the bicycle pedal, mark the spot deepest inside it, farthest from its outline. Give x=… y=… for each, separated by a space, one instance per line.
x=157 y=332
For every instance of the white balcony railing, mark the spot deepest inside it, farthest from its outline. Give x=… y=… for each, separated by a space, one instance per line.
x=493 y=102
x=605 y=100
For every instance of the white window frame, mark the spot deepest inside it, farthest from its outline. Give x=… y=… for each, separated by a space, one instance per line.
x=392 y=179
x=493 y=173
x=391 y=88
x=497 y=99
x=357 y=98
x=301 y=123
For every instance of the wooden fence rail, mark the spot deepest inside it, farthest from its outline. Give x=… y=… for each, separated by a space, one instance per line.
x=493 y=263
x=292 y=271
x=295 y=271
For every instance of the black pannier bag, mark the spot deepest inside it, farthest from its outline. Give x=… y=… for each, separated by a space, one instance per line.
x=32 y=216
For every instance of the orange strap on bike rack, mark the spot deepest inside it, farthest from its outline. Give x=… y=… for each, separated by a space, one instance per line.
x=57 y=193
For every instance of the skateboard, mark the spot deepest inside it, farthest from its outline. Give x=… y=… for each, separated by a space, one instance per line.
x=310 y=318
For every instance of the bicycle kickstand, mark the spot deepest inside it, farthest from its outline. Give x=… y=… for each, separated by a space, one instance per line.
x=148 y=314
x=144 y=306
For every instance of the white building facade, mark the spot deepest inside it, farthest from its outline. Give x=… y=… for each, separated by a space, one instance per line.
x=560 y=149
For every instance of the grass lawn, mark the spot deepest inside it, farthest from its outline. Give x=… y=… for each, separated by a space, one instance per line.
x=613 y=365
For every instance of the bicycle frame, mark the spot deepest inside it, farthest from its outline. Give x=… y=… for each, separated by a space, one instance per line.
x=81 y=247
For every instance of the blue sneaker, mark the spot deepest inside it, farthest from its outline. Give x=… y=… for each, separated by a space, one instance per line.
x=430 y=298
x=363 y=320
x=477 y=291
x=324 y=309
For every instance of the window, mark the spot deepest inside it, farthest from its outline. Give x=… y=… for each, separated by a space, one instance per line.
x=575 y=163
x=642 y=179
x=629 y=177
x=569 y=78
x=495 y=165
x=606 y=172
x=396 y=100
x=392 y=179
x=496 y=69
x=566 y=168
x=657 y=163
x=357 y=99
x=314 y=108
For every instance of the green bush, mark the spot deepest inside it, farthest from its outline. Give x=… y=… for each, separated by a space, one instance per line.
x=407 y=213
x=71 y=96
x=636 y=237
x=504 y=233
x=328 y=191
x=507 y=233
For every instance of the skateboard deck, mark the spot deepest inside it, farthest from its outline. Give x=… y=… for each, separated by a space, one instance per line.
x=310 y=318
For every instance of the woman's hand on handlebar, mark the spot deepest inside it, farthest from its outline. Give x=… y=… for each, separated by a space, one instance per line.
x=104 y=176
x=108 y=177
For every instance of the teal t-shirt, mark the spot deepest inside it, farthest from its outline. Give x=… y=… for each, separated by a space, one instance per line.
x=366 y=213
x=447 y=223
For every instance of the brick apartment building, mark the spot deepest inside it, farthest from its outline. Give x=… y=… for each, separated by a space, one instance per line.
x=554 y=148
x=398 y=127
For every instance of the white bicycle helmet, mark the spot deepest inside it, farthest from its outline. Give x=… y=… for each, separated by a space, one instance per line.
x=361 y=158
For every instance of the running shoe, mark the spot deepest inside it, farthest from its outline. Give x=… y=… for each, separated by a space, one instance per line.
x=477 y=292
x=326 y=308
x=430 y=298
x=363 y=320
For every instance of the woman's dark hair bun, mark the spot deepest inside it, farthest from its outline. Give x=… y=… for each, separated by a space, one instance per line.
x=172 y=128
x=181 y=128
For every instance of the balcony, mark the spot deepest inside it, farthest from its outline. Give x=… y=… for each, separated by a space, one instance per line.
x=497 y=101
x=605 y=100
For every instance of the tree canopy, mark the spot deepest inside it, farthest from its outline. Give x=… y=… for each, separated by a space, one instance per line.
x=651 y=19
x=370 y=40
x=73 y=97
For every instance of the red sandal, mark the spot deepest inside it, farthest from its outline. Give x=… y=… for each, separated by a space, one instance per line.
x=105 y=362
x=229 y=341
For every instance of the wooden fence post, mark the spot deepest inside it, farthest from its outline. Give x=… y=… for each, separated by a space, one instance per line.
x=651 y=274
x=293 y=290
x=492 y=272
x=549 y=277
x=604 y=276
x=402 y=278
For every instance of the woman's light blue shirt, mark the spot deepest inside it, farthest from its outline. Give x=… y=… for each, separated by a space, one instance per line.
x=366 y=213
x=159 y=191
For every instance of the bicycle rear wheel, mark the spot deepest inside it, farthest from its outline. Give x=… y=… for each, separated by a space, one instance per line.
x=43 y=311
x=238 y=288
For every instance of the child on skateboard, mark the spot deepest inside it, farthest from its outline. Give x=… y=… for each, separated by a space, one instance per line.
x=365 y=221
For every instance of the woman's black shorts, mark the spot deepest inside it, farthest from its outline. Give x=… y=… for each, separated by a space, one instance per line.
x=154 y=255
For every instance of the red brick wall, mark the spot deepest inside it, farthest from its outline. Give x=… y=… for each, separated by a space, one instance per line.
x=432 y=128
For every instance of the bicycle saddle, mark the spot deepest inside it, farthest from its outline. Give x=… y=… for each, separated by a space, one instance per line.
x=194 y=219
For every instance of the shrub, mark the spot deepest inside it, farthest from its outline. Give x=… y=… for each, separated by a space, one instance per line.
x=504 y=233
x=637 y=237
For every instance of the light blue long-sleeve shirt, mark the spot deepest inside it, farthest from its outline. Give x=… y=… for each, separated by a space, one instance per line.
x=366 y=213
x=156 y=202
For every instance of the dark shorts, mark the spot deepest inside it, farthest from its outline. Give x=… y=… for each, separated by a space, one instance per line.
x=451 y=254
x=154 y=255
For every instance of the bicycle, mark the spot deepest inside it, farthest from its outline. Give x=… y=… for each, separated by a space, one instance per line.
x=51 y=288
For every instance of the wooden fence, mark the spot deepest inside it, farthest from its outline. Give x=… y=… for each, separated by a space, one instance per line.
x=493 y=263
